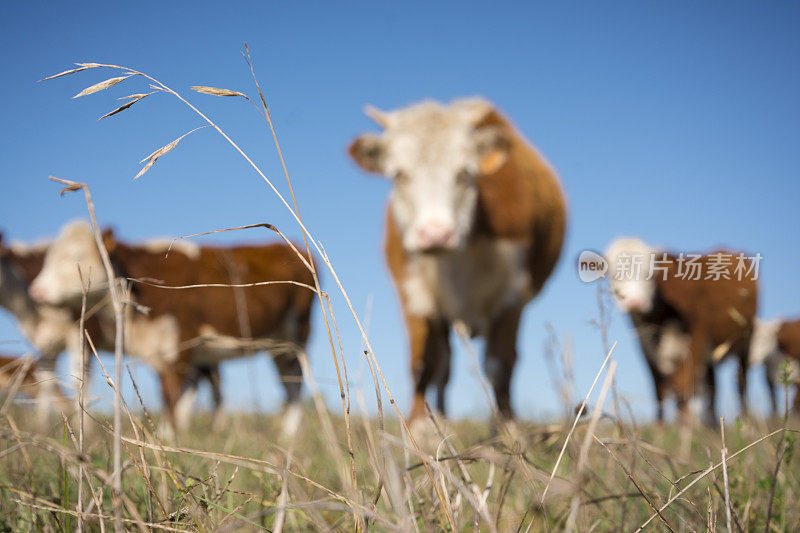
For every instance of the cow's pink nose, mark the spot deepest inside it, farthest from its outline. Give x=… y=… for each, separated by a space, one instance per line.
x=435 y=235
x=633 y=304
x=36 y=293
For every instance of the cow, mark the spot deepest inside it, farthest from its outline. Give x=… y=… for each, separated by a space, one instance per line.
x=774 y=343
x=49 y=329
x=53 y=328
x=685 y=320
x=177 y=332
x=474 y=227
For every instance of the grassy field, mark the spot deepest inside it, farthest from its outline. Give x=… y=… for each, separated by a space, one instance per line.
x=244 y=475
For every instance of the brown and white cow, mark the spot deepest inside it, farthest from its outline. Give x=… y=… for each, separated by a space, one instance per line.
x=774 y=343
x=685 y=325
x=51 y=329
x=187 y=329
x=474 y=227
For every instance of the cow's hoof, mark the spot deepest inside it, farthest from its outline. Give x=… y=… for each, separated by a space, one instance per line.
x=219 y=421
x=292 y=417
x=167 y=433
x=425 y=435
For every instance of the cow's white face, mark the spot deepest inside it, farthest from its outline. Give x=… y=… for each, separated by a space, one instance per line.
x=434 y=155
x=764 y=341
x=629 y=264
x=59 y=282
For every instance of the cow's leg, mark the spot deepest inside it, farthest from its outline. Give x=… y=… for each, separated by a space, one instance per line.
x=291 y=376
x=649 y=336
x=430 y=350
x=501 y=356
x=211 y=373
x=216 y=387
x=648 y=344
x=49 y=395
x=443 y=373
x=661 y=387
x=769 y=374
x=710 y=417
x=218 y=419
x=744 y=355
x=172 y=383
x=687 y=373
x=184 y=408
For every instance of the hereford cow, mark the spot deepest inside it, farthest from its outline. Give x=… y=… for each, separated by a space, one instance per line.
x=53 y=328
x=774 y=343
x=686 y=324
x=474 y=227
x=49 y=329
x=187 y=329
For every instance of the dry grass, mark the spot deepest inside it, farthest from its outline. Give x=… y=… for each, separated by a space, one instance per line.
x=345 y=472
x=211 y=480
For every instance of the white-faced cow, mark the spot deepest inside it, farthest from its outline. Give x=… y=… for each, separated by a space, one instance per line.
x=685 y=319
x=53 y=328
x=774 y=343
x=189 y=329
x=49 y=329
x=474 y=227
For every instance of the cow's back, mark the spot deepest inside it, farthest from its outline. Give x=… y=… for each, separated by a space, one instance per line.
x=268 y=305
x=724 y=308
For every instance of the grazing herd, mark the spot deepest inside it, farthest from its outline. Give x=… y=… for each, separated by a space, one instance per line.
x=475 y=225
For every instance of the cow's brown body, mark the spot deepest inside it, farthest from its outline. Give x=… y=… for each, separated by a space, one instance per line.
x=717 y=318
x=274 y=317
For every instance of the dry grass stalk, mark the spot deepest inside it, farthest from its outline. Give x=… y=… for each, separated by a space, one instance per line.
x=23 y=366
x=587 y=442
x=575 y=423
x=724 y=453
x=116 y=302
x=81 y=394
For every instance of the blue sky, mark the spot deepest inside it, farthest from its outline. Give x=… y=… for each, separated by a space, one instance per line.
x=676 y=122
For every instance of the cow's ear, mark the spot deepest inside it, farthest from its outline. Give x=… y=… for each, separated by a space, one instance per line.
x=493 y=145
x=369 y=152
x=109 y=240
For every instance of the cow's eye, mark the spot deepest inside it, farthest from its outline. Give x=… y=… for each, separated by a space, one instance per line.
x=464 y=177
x=400 y=177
